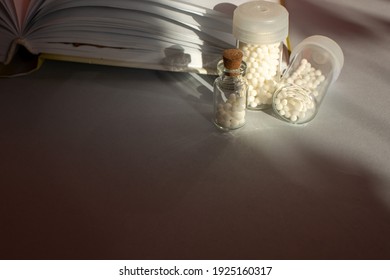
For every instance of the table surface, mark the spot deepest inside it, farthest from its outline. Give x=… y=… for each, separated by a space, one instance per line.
x=116 y=163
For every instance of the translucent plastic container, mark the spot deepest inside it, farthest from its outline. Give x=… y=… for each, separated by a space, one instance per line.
x=315 y=64
x=260 y=28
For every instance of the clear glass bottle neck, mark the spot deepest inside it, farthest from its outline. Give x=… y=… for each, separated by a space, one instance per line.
x=224 y=72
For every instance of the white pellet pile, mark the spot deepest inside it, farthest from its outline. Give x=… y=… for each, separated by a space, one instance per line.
x=263 y=62
x=231 y=114
x=297 y=100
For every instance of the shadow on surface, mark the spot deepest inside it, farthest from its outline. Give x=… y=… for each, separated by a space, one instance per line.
x=304 y=14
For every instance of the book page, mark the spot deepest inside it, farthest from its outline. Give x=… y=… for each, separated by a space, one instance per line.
x=21 y=7
x=8 y=16
x=114 y=19
x=178 y=34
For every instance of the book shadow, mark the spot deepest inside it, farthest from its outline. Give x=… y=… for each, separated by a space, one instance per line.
x=176 y=59
x=22 y=63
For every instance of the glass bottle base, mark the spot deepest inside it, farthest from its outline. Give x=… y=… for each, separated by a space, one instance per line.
x=228 y=127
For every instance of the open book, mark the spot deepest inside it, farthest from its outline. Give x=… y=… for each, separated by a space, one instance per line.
x=175 y=35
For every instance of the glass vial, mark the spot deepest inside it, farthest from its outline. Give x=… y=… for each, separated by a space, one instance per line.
x=230 y=91
x=260 y=28
x=315 y=64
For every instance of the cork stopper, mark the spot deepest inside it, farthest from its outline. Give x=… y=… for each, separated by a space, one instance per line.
x=232 y=58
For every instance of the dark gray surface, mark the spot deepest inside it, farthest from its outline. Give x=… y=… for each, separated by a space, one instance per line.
x=115 y=163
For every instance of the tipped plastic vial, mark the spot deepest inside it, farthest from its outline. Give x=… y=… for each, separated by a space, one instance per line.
x=230 y=91
x=260 y=28
x=315 y=64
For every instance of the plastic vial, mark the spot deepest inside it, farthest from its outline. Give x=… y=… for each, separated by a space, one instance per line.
x=315 y=64
x=230 y=91
x=260 y=28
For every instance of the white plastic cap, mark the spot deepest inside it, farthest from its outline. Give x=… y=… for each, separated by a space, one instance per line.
x=260 y=22
x=330 y=46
